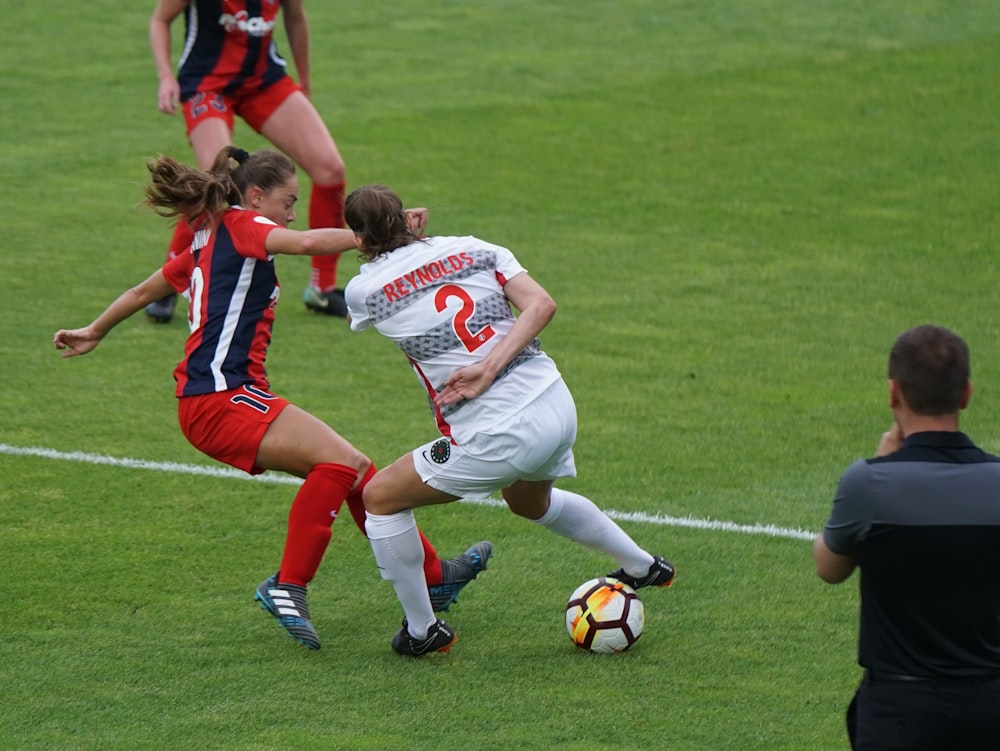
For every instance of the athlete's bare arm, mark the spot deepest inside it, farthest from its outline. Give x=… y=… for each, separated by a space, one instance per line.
x=537 y=309
x=297 y=31
x=169 y=93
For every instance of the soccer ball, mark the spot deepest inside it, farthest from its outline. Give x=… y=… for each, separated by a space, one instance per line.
x=604 y=616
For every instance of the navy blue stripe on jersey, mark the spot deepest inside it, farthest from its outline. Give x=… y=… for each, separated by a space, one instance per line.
x=240 y=289
x=203 y=45
x=208 y=47
x=253 y=53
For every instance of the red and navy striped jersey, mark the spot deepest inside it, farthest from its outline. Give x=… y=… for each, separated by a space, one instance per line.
x=233 y=289
x=228 y=47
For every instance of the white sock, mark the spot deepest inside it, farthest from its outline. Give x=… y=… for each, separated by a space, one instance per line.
x=400 y=558
x=573 y=516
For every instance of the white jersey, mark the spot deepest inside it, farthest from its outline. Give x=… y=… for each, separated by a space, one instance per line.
x=441 y=301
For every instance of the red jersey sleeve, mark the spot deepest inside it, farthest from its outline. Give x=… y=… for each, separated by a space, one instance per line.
x=249 y=231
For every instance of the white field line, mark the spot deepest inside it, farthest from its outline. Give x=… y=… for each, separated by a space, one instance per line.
x=768 y=530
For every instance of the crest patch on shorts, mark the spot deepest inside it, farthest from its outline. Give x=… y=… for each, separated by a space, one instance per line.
x=441 y=451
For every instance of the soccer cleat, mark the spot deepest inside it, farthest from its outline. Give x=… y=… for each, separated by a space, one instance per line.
x=330 y=303
x=458 y=572
x=287 y=603
x=162 y=310
x=660 y=574
x=440 y=637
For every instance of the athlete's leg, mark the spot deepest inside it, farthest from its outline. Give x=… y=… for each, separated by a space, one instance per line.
x=395 y=541
x=297 y=441
x=208 y=138
x=297 y=129
x=303 y=445
x=573 y=516
x=356 y=505
x=313 y=512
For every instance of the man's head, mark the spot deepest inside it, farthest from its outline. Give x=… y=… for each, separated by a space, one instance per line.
x=929 y=369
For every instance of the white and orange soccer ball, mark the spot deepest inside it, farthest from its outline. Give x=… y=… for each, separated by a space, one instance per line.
x=604 y=616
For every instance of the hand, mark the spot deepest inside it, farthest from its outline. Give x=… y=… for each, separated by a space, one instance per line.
x=76 y=341
x=465 y=383
x=891 y=441
x=169 y=96
x=416 y=220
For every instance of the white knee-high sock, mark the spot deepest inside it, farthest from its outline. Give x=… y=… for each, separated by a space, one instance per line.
x=399 y=554
x=576 y=517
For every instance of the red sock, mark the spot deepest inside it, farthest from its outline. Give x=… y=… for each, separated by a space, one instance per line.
x=181 y=240
x=326 y=209
x=314 y=510
x=432 y=564
x=354 y=503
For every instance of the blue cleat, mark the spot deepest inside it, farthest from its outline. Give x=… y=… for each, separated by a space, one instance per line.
x=287 y=603
x=458 y=572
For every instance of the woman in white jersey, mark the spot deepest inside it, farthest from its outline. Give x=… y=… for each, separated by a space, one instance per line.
x=507 y=419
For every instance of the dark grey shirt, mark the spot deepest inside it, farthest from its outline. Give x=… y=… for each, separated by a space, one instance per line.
x=925 y=525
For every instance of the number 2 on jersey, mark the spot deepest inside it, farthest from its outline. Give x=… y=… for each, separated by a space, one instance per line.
x=472 y=340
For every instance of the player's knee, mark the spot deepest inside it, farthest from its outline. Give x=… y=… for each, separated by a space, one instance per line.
x=327 y=171
x=533 y=511
x=377 y=497
x=358 y=461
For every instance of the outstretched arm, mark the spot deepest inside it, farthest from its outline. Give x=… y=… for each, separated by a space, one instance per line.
x=330 y=240
x=81 y=341
x=537 y=309
x=311 y=242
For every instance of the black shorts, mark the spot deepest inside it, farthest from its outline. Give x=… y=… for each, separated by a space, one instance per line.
x=925 y=715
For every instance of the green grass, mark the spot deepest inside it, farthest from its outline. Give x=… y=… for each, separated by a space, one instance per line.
x=737 y=205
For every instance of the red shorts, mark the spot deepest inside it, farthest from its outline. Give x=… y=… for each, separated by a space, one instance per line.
x=229 y=425
x=253 y=106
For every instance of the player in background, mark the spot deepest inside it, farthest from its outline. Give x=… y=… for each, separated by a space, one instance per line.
x=230 y=66
x=225 y=407
x=507 y=417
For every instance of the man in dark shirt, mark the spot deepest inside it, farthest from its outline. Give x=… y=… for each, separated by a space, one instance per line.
x=922 y=521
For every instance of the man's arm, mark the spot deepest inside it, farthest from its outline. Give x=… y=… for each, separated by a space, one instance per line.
x=831 y=567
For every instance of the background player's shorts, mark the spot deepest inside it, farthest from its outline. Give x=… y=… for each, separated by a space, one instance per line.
x=535 y=444
x=253 y=106
x=229 y=425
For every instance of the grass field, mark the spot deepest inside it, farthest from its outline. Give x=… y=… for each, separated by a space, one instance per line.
x=737 y=204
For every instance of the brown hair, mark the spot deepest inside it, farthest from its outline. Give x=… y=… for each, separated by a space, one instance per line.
x=376 y=215
x=177 y=190
x=931 y=365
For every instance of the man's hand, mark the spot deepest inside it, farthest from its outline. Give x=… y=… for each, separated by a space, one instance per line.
x=891 y=441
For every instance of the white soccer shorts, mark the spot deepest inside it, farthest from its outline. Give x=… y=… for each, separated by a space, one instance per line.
x=535 y=444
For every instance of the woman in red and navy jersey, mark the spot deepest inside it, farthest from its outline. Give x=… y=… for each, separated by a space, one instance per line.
x=240 y=216
x=230 y=67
